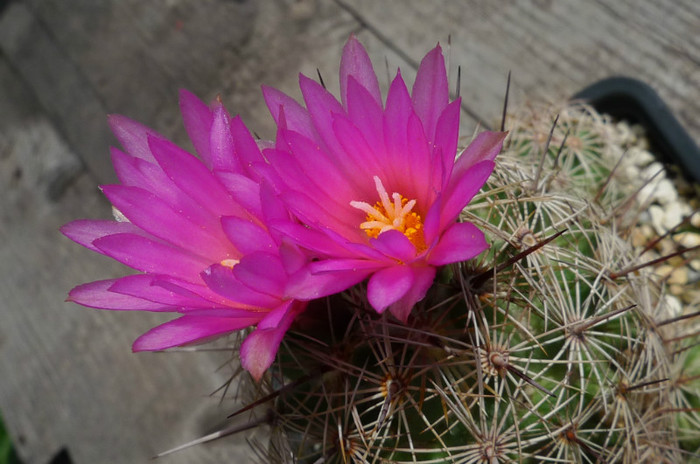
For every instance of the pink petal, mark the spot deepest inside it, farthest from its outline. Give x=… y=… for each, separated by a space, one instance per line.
x=366 y=114
x=321 y=106
x=247 y=149
x=86 y=231
x=153 y=215
x=244 y=190
x=133 y=136
x=198 y=120
x=462 y=190
x=423 y=279
x=146 y=287
x=260 y=347
x=296 y=117
x=150 y=256
x=262 y=272
x=247 y=236
x=430 y=91
x=446 y=137
x=395 y=245
x=193 y=178
x=221 y=145
x=461 y=242
x=484 y=147
x=191 y=329
x=398 y=109
x=307 y=285
x=355 y=63
x=97 y=295
x=221 y=280
x=388 y=286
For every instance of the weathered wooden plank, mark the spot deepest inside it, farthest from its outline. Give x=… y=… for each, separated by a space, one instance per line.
x=553 y=48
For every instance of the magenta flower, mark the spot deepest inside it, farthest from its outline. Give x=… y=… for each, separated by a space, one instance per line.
x=376 y=185
x=195 y=229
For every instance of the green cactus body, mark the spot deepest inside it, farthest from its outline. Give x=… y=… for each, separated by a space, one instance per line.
x=551 y=347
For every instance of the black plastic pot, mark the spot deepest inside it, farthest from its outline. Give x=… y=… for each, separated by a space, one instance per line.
x=634 y=101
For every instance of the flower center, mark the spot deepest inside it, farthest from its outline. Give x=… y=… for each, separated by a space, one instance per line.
x=395 y=213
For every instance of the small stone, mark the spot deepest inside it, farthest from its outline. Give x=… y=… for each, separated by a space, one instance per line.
x=687 y=239
x=679 y=276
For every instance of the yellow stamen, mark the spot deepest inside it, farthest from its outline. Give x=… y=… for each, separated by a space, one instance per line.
x=395 y=213
x=229 y=263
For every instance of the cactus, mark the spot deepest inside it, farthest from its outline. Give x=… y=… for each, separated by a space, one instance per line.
x=561 y=344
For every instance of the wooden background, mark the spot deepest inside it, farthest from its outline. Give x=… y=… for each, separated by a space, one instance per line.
x=67 y=376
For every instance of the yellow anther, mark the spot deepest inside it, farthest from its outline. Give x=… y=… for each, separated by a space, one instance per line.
x=395 y=213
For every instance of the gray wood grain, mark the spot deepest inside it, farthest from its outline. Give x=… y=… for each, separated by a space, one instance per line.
x=67 y=376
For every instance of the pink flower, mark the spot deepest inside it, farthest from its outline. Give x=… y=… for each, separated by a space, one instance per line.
x=196 y=230
x=376 y=184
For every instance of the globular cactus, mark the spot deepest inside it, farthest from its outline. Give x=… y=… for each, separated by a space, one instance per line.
x=561 y=344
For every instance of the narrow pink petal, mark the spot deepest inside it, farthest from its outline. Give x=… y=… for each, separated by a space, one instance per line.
x=198 y=119
x=422 y=280
x=260 y=347
x=221 y=145
x=262 y=272
x=388 y=286
x=430 y=90
x=133 y=136
x=418 y=165
x=97 y=295
x=484 y=147
x=273 y=208
x=395 y=124
x=193 y=178
x=345 y=264
x=221 y=280
x=309 y=238
x=190 y=329
x=247 y=236
x=146 y=287
x=431 y=222
x=446 y=138
x=150 y=256
x=355 y=63
x=296 y=117
x=153 y=215
x=244 y=190
x=86 y=231
x=149 y=176
x=395 y=245
x=247 y=149
x=366 y=114
x=461 y=242
x=462 y=190
x=305 y=285
x=321 y=105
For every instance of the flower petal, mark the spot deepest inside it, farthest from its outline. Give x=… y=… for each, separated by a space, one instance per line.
x=147 y=255
x=461 y=242
x=355 y=64
x=191 y=329
x=422 y=280
x=97 y=295
x=153 y=215
x=462 y=190
x=430 y=91
x=86 y=231
x=221 y=280
x=198 y=119
x=247 y=236
x=260 y=347
x=484 y=147
x=388 y=286
x=395 y=245
x=133 y=136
